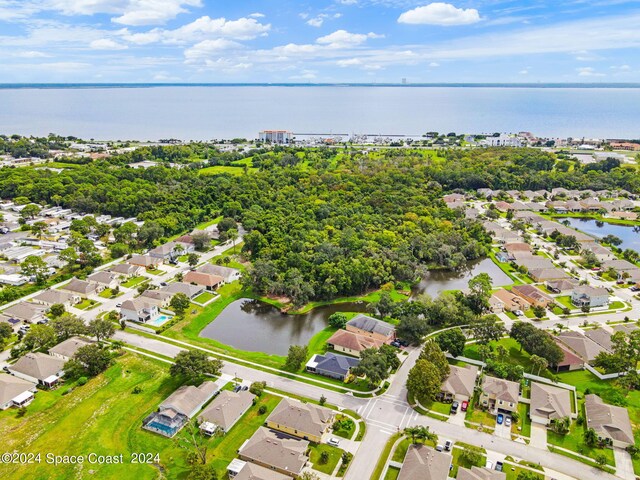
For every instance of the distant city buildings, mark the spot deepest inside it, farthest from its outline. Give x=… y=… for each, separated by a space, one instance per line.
x=276 y=136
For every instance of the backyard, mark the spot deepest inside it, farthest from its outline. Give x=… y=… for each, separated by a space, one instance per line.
x=135 y=281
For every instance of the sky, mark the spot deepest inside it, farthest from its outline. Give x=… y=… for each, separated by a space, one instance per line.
x=359 y=41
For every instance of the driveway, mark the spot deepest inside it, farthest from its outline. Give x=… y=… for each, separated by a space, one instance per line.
x=624 y=465
x=502 y=431
x=457 y=419
x=538 y=436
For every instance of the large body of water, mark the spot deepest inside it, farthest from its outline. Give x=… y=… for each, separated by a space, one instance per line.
x=630 y=238
x=208 y=112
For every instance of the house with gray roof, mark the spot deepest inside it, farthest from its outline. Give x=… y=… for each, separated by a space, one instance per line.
x=549 y=403
x=82 y=288
x=26 y=312
x=276 y=451
x=241 y=470
x=145 y=261
x=479 y=473
x=228 y=274
x=499 y=394
x=191 y=291
x=139 y=310
x=224 y=411
x=588 y=296
x=15 y=392
x=67 y=349
x=601 y=336
x=371 y=327
x=164 y=252
x=610 y=422
x=38 y=368
x=104 y=279
x=156 y=297
x=460 y=382
x=424 y=463
x=331 y=365
x=581 y=345
x=127 y=270
x=51 y=297
x=304 y=420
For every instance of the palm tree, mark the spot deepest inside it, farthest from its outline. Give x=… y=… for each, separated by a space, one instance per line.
x=538 y=363
x=232 y=234
x=425 y=434
x=413 y=432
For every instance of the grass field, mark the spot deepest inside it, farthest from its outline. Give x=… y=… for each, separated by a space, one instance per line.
x=230 y=169
x=87 y=304
x=108 y=293
x=135 y=281
x=204 y=297
x=334 y=457
x=392 y=473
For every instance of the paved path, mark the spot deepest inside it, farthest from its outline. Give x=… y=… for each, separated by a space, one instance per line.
x=624 y=464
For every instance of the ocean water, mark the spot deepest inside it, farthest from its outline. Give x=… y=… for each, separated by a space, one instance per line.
x=208 y=112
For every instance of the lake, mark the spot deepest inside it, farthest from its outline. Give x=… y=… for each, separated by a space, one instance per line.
x=208 y=112
x=436 y=281
x=256 y=326
x=630 y=239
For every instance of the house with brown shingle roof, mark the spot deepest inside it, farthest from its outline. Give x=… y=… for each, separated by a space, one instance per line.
x=38 y=368
x=251 y=471
x=145 y=261
x=210 y=282
x=66 y=349
x=303 y=420
x=582 y=346
x=499 y=394
x=533 y=295
x=479 y=473
x=276 y=450
x=224 y=411
x=352 y=343
x=460 y=383
x=82 y=288
x=425 y=463
x=504 y=300
x=549 y=403
x=26 y=311
x=51 y=297
x=570 y=360
x=15 y=392
x=610 y=422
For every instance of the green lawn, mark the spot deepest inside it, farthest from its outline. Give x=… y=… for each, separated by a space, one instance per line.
x=459 y=462
x=524 y=422
x=384 y=456
x=347 y=427
x=204 y=297
x=315 y=450
x=616 y=305
x=135 y=281
x=155 y=271
x=392 y=473
x=318 y=343
x=208 y=223
x=220 y=169
x=109 y=293
x=565 y=301
x=103 y=416
x=87 y=304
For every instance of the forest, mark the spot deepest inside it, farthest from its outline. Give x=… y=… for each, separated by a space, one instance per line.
x=321 y=222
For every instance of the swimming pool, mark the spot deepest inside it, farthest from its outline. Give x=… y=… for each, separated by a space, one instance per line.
x=160 y=320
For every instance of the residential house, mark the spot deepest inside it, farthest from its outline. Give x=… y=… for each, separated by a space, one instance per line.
x=548 y=274
x=139 y=310
x=570 y=360
x=15 y=392
x=533 y=295
x=625 y=327
x=460 y=383
x=588 y=296
x=331 y=365
x=39 y=368
x=276 y=451
x=164 y=252
x=179 y=407
x=228 y=274
x=82 y=288
x=582 y=346
x=499 y=394
x=352 y=343
x=66 y=349
x=424 y=463
x=504 y=300
x=224 y=411
x=371 y=327
x=26 y=312
x=503 y=206
x=601 y=336
x=127 y=270
x=560 y=286
x=549 y=403
x=103 y=280
x=454 y=197
x=534 y=262
x=206 y=280
x=603 y=254
x=51 y=297
x=145 y=261
x=624 y=215
x=156 y=297
x=479 y=473
x=610 y=422
x=304 y=420
x=241 y=470
x=191 y=291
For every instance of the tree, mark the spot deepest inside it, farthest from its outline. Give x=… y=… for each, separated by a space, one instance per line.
x=471 y=455
x=309 y=476
x=487 y=329
x=452 y=341
x=39 y=336
x=612 y=240
x=479 y=293
x=193 y=364
x=195 y=444
x=538 y=311
x=338 y=320
x=232 y=234
x=601 y=459
x=202 y=472
x=432 y=352
x=68 y=325
x=5 y=332
x=538 y=363
x=101 y=329
x=590 y=437
x=69 y=255
x=296 y=357
x=324 y=457
x=412 y=329
x=201 y=240
x=93 y=360
x=57 y=309
x=423 y=381
x=118 y=250
x=193 y=259
x=34 y=266
x=30 y=211
x=322 y=400
x=528 y=475
x=180 y=303
x=257 y=388
x=561 y=425
x=374 y=365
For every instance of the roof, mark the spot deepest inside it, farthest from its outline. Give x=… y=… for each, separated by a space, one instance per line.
x=137 y=304
x=591 y=291
x=38 y=365
x=553 y=273
x=276 y=449
x=601 y=336
x=24 y=310
x=143 y=260
x=124 y=268
x=534 y=261
x=11 y=387
x=206 y=279
x=619 y=265
x=156 y=295
x=79 y=286
x=586 y=348
x=517 y=247
x=52 y=296
x=569 y=357
x=303 y=417
x=353 y=341
x=187 y=398
x=478 y=473
x=424 y=463
x=330 y=362
x=506 y=296
x=461 y=381
x=104 y=278
x=223 y=272
x=531 y=292
x=501 y=389
x=164 y=249
x=251 y=471
x=70 y=346
x=226 y=408
x=608 y=420
x=370 y=324
x=181 y=287
x=562 y=285
x=549 y=401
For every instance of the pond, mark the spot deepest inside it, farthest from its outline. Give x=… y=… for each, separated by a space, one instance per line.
x=436 y=281
x=630 y=238
x=256 y=326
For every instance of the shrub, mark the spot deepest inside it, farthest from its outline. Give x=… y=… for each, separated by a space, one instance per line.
x=137 y=389
x=82 y=381
x=262 y=410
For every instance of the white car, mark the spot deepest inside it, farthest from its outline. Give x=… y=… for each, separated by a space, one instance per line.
x=334 y=442
x=489 y=465
x=507 y=421
x=518 y=313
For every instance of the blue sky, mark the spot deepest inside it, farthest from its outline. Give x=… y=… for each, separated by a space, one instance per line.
x=319 y=41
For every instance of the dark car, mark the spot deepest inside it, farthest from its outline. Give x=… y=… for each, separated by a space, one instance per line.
x=237 y=388
x=454 y=408
x=499 y=466
x=163 y=284
x=404 y=343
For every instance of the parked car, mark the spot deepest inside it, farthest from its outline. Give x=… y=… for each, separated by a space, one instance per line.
x=518 y=313
x=245 y=388
x=118 y=305
x=439 y=448
x=237 y=388
x=454 y=408
x=447 y=445
x=499 y=466
x=507 y=421
x=464 y=406
x=395 y=343
x=500 y=419
x=334 y=441
x=163 y=284
x=488 y=465
x=634 y=288
x=404 y=343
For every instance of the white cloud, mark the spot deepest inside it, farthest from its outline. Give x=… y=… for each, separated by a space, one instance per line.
x=621 y=68
x=343 y=39
x=256 y=15
x=30 y=54
x=439 y=13
x=588 y=72
x=347 y=2
x=240 y=29
x=106 y=44
x=319 y=20
x=434 y=64
x=207 y=48
x=350 y=62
